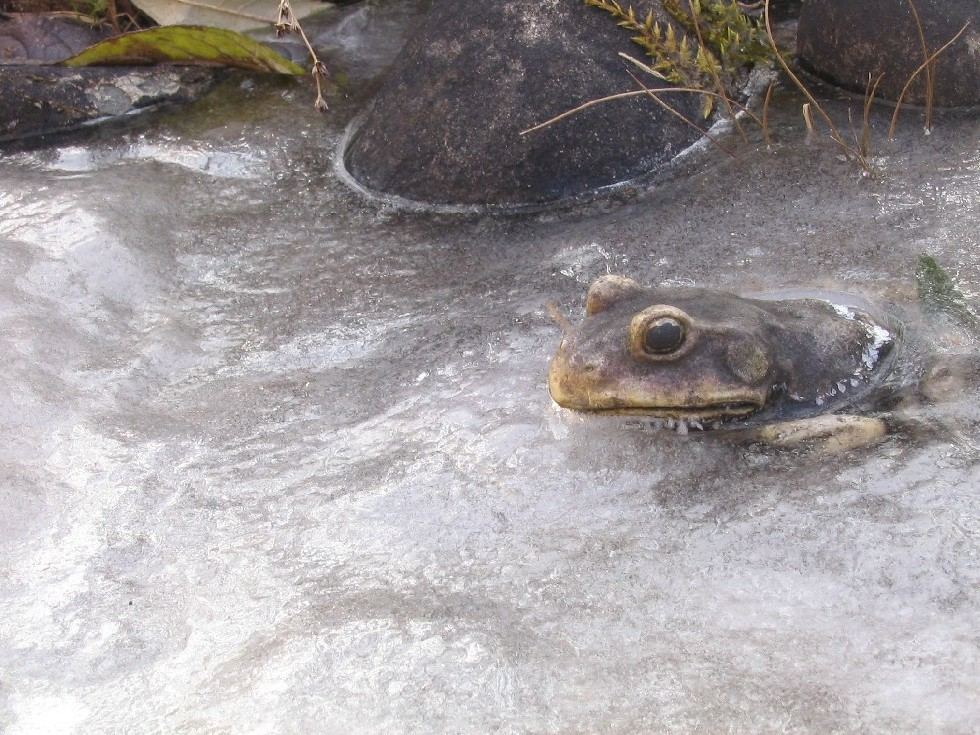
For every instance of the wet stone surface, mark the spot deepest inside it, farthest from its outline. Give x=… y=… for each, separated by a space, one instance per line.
x=847 y=43
x=446 y=125
x=52 y=99
x=278 y=459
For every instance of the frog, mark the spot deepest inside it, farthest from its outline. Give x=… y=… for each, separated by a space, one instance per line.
x=780 y=371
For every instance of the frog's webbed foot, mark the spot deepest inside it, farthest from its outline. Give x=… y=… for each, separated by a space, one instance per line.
x=827 y=434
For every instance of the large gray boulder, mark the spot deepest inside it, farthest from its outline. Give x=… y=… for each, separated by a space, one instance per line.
x=445 y=126
x=845 y=41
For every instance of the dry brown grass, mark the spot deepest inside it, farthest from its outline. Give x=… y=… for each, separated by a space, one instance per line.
x=812 y=105
x=930 y=80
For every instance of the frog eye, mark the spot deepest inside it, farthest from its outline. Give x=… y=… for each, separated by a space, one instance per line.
x=663 y=336
x=661 y=333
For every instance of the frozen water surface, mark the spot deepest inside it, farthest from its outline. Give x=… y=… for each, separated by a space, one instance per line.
x=276 y=459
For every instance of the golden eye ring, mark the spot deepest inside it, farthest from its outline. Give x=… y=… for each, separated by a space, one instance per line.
x=661 y=333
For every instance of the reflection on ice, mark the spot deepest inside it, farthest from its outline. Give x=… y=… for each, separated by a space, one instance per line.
x=217 y=163
x=336 y=347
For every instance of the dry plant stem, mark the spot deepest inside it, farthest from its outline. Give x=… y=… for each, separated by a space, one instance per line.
x=807 y=119
x=653 y=72
x=850 y=122
x=584 y=106
x=813 y=104
x=930 y=68
x=673 y=111
x=719 y=87
x=869 y=97
x=765 y=115
x=114 y=19
x=923 y=65
x=287 y=22
x=112 y=15
x=795 y=79
x=625 y=95
x=123 y=16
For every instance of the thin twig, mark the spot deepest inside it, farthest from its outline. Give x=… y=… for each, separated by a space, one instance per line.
x=287 y=22
x=850 y=123
x=633 y=93
x=611 y=98
x=869 y=98
x=112 y=16
x=650 y=70
x=923 y=65
x=673 y=111
x=765 y=115
x=795 y=79
x=930 y=68
x=580 y=108
x=813 y=104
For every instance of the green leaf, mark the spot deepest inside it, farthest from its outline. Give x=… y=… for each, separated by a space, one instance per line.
x=185 y=45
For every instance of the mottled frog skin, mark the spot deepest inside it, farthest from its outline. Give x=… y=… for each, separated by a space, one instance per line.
x=705 y=358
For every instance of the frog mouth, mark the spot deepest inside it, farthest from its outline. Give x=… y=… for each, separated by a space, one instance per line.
x=707 y=401
x=717 y=411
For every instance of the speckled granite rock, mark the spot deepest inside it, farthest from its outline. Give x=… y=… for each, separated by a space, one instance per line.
x=47 y=99
x=845 y=41
x=445 y=127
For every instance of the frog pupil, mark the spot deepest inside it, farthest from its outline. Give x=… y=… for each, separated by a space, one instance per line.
x=664 y=335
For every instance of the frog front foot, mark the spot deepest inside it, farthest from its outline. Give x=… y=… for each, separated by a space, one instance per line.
x=827 y=434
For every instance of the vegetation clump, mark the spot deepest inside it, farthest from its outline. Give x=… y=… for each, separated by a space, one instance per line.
x=711 y=47
x=939 y=292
